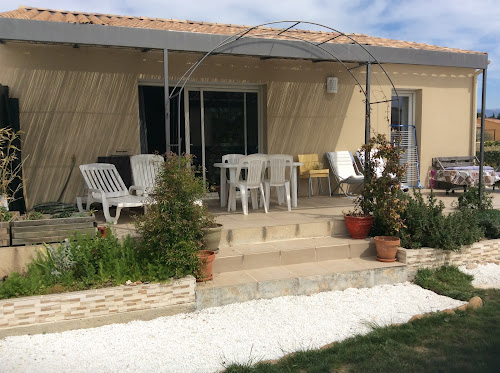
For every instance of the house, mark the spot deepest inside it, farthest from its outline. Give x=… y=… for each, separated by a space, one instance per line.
x=491 y=128
x=93 y=85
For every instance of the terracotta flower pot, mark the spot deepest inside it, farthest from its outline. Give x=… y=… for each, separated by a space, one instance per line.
x=358 y=226
x=206 y=258
x=102 y=230
x=387 y=248
x=211 y=238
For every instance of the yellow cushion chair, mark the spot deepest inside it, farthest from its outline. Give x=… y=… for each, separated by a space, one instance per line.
x=311 y=169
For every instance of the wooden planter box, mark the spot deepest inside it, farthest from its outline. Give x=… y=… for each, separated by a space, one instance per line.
x=5 y=230
x=26 y=232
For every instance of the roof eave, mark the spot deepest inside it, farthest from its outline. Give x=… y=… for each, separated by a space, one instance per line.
x=67 y=33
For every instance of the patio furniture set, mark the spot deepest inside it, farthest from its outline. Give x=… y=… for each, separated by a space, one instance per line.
x=257 y=173
x=282 y=174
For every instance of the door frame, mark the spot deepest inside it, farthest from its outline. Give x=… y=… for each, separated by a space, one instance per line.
x=411 y=94
x=211 y=87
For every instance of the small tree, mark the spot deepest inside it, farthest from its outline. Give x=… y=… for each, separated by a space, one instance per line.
x=172 y=228
x=10 y=167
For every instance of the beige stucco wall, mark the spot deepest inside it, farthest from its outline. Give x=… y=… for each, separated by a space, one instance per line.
x=83 y=102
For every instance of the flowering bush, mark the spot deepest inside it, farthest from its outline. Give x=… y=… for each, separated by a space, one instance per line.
x=381 y=195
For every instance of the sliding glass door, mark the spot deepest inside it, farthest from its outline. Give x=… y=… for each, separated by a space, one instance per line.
x=213 y=122
x=220 y=122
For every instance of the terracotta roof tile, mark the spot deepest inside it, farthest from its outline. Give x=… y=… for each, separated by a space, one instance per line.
x=24 y=12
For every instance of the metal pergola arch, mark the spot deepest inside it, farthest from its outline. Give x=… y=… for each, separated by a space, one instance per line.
x=268 y=31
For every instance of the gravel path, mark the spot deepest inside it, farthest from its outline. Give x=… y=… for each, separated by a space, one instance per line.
x=207 y=340
x=485 y=275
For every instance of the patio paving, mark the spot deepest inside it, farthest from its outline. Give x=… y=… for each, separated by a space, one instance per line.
x=312 y=209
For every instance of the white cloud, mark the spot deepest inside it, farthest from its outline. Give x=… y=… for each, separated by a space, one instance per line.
x=462 y=24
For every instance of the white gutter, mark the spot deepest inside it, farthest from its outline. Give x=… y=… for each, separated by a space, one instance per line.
x=474 y=112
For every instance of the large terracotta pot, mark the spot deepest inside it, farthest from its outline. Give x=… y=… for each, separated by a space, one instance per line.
x=211 y=238
x=387 y=248
x=358 y=226
x=206 y=258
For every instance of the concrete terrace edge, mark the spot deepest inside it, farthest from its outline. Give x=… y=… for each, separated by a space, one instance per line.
x=102 y=306
x=300 y=285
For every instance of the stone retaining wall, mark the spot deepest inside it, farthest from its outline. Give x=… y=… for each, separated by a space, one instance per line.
x=96 y=302
x=433 y=258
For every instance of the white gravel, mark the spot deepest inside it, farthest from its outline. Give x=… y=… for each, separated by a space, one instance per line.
x=485 y=275
x=208 y=340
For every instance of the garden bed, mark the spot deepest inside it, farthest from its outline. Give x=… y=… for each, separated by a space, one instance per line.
x=25 y=232
x=96 y=302
x=486 y=250
x=5 y=230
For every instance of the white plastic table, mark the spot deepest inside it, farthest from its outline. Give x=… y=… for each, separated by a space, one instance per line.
x=232 y=175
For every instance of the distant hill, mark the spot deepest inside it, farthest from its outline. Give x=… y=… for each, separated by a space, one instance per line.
x=491 y=111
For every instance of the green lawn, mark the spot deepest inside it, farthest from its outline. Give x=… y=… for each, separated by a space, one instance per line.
x=464 y=342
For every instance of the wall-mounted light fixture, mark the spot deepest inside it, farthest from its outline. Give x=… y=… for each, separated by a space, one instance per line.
x=332 y=84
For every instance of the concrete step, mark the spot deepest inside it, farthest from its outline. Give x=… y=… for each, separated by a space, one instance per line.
x=297 y=279
x=281 y=231
x=289 y=252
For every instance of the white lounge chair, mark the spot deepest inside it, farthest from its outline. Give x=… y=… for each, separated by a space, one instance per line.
x=342 y=165
x=256 y=166
x=105 y=185
x=144 y=170
x=278 y=163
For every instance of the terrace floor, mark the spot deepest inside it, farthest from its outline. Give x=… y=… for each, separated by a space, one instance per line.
x=309 y=209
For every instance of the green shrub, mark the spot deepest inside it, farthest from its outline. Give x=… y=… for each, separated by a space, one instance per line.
x=427 y=226
x=83 y=264
x=470 y=199
x=33 y=215
x=491 y=155
x=491 y=143
x=489 y=221
x=172 y=228
x=420 y=218
x=5 y=215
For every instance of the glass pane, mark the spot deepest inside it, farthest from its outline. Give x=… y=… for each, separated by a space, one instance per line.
x=400 y=110
x=252 y=123
x=152 y=108
x=224 y=128
x=195 y=126
x=174 y=122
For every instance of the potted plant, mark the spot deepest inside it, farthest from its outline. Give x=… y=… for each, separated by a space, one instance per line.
x=386 y=201
x=173 y=225
x=359 y=221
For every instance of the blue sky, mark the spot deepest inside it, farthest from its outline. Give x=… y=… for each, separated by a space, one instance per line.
x=473 y=25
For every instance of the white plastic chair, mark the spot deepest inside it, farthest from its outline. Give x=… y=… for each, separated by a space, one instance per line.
x=105 y=185
x=231 y=159
x=256 y=166
x=342 y=165
x=278 y=163
x=144 y=170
